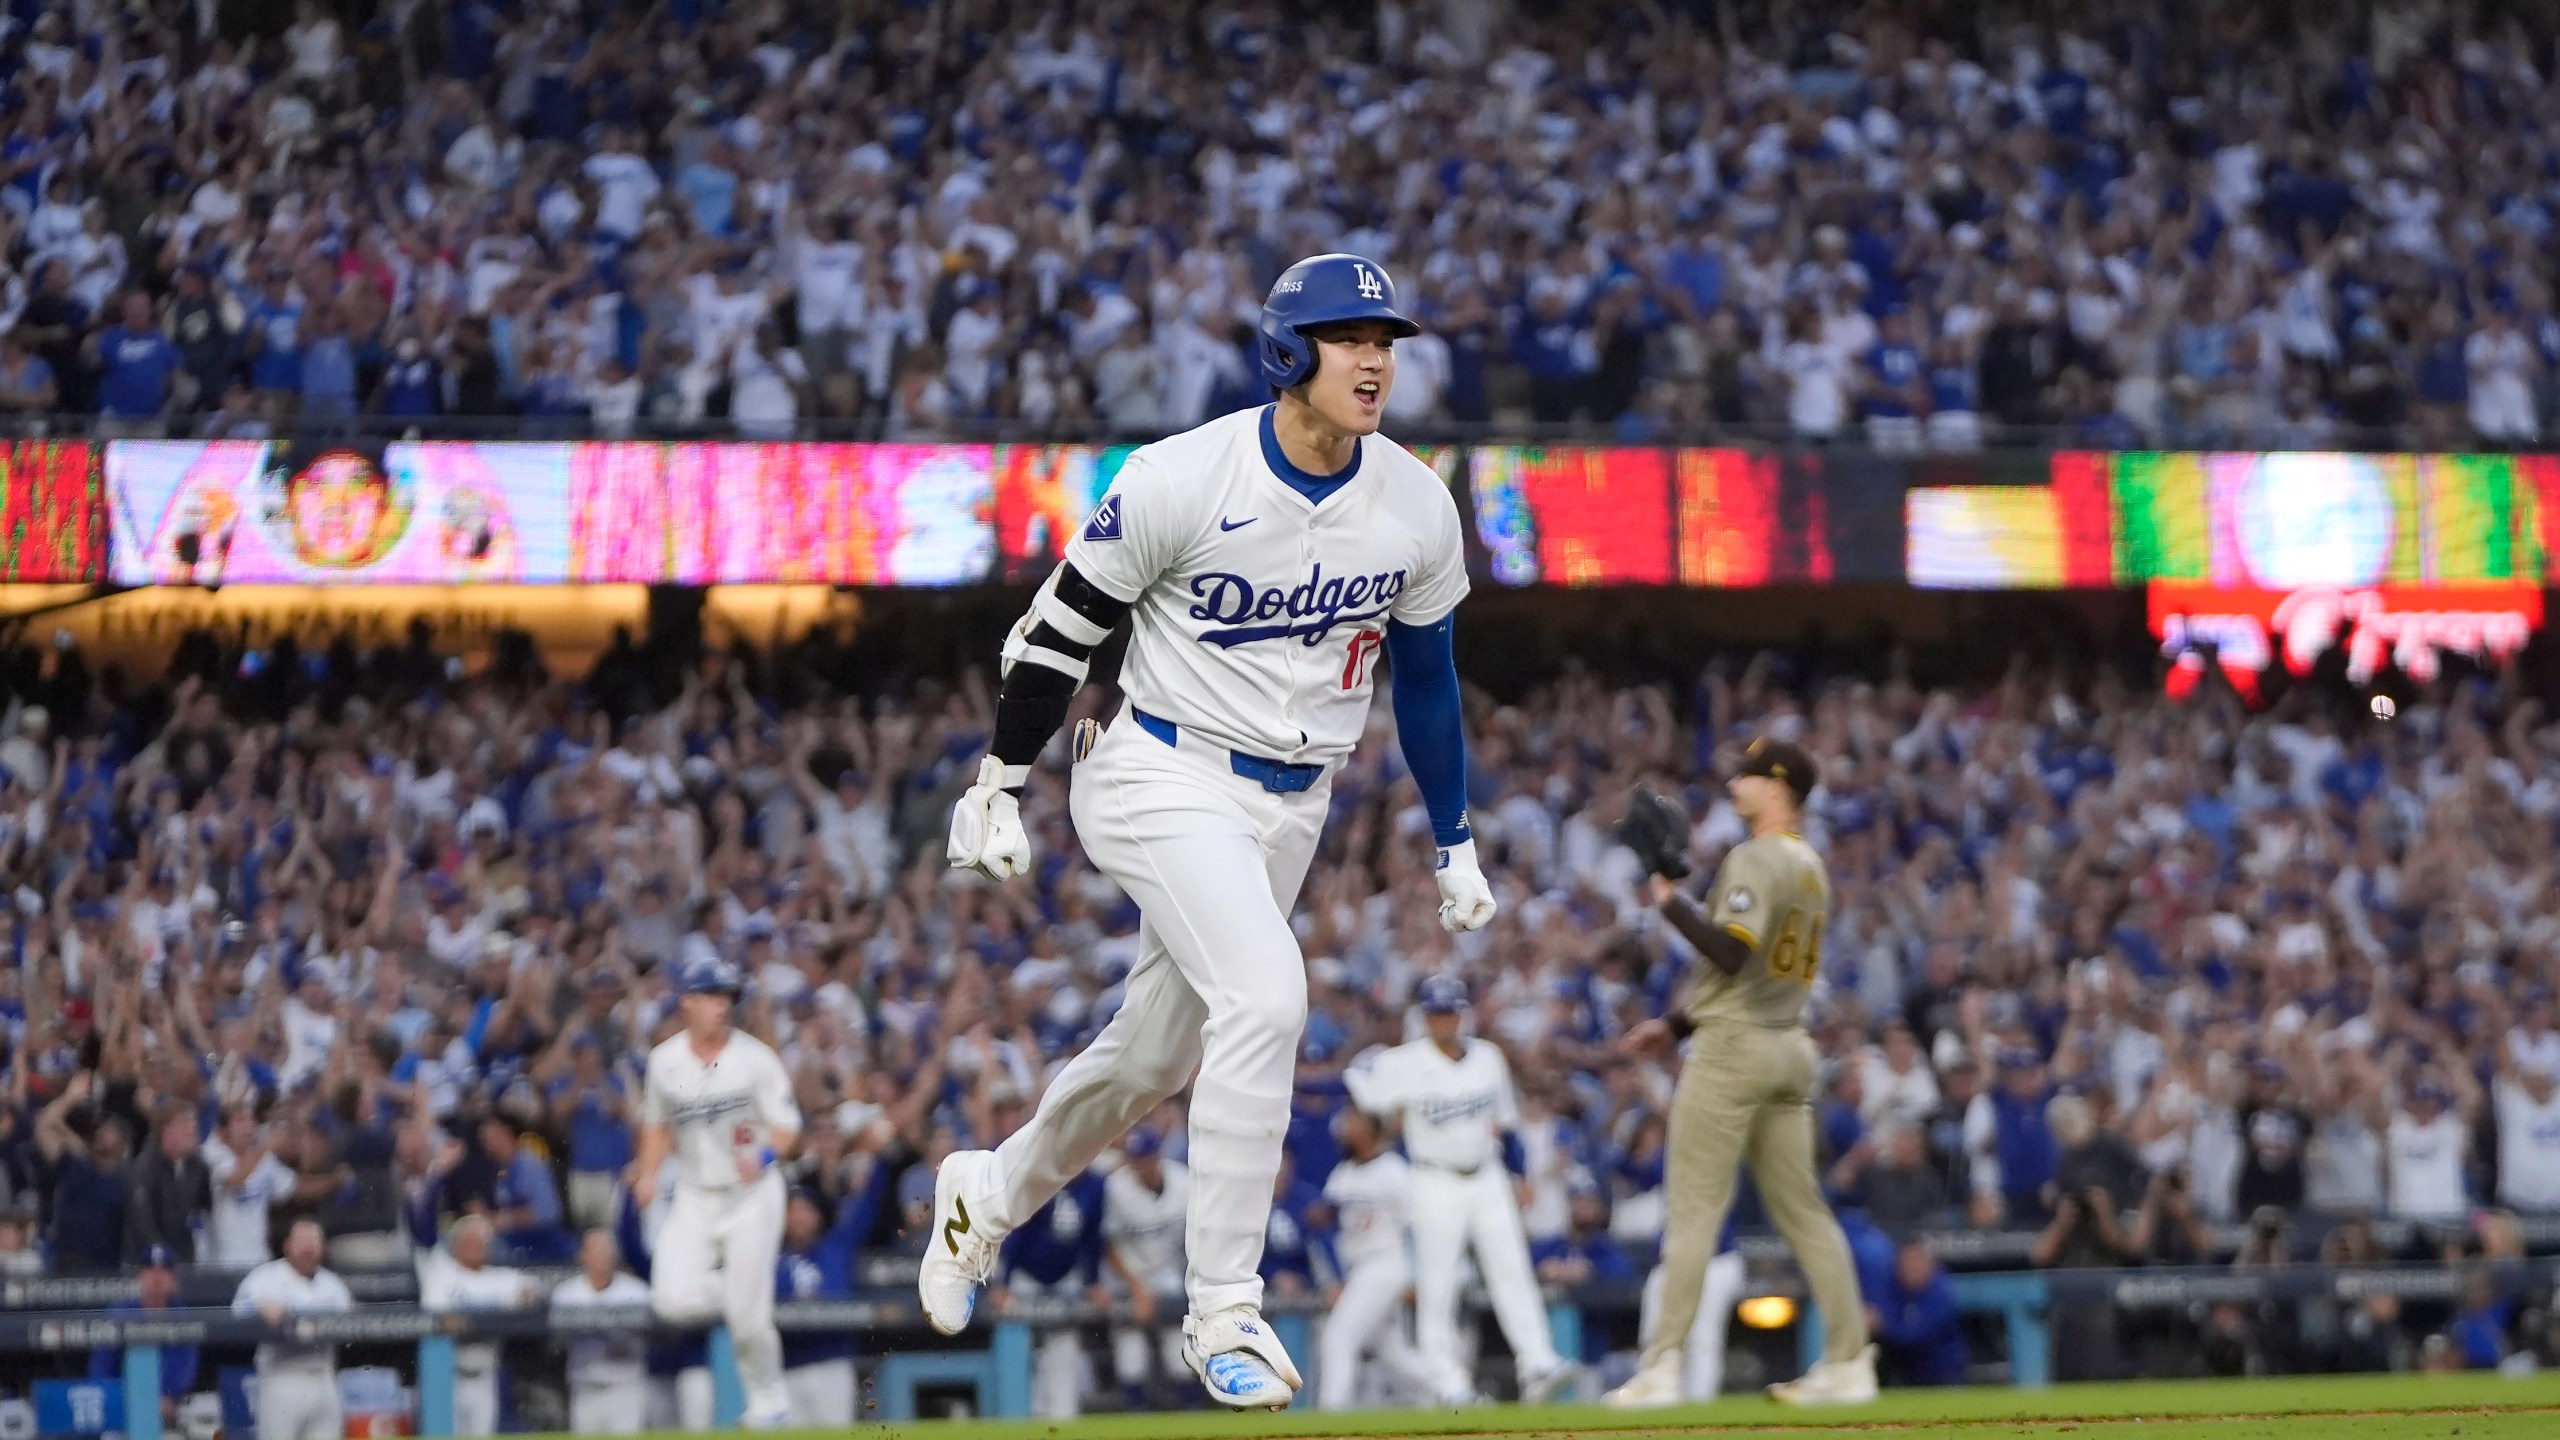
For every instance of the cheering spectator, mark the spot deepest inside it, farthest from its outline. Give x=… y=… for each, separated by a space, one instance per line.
x=168 y=1190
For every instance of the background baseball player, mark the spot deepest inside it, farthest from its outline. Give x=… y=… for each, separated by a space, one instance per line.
x=817 y=1264
x=457 y=1277
x=1371 y=1191
x=1145 y=1209
x=1265 y=559
x=608 y=1369
x=297 y=1380
x=1454 y=1096
x=1747 y=1090
x=1057 y=1254
x=719 y=1101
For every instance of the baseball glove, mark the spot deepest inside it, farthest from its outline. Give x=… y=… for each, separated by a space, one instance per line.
x=1657 y=829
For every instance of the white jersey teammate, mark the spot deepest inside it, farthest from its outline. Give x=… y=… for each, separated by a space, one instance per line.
x=1455 y=1098
x=459 y=1277
x=1371 y=1192
x=719 y=1101
x=608 y=1369
x=297 y=1379
x=1264 y=560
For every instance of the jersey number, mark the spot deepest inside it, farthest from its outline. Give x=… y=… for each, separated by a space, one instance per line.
x=1365 y=645
x=1797 y=939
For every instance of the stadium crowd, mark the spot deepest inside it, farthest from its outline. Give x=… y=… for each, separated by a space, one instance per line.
x=352 y=938
x=2120 y=221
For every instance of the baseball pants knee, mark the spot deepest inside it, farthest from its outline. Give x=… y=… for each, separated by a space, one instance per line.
x=621 y=1408
x=296 y=1405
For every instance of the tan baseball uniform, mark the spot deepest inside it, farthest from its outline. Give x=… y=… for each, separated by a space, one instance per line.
x=1747 y=1091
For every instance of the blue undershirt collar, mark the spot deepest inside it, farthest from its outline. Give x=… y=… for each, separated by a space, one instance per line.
x=1314 y=487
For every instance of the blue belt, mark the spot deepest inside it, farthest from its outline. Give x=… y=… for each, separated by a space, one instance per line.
x=1277 y=776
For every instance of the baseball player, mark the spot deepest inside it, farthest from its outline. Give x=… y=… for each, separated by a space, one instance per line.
x=1146 y=1207
x=1057 y=1254
x=1747 y=1089
x=719 y=1101
x=817 y=1264
x=1371 y=1192
x=297 y=1380
x=608 y=1369
x=1263 y=561
x=460 y=1277
x=1454 y=1095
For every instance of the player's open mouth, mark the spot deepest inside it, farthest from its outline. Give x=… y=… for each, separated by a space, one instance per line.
x=1367 y=393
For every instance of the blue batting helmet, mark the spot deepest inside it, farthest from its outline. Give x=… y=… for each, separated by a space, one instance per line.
x=711 y=977
x=1322 y=290
x=1441 y=995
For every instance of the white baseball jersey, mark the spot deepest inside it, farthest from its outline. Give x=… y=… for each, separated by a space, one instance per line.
x=732 y=1105
x=1454 y=1110
x=237 y=1228
x=602 y=1358
x=1146 y=1225
x=2425 y=1182
x=1372 y=1204
x=1258 y=614
x=445 y=1283
x=2528 y=1149
x=322 y=1293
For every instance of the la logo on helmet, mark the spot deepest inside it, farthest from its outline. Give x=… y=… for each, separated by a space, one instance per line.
x=1370 y=289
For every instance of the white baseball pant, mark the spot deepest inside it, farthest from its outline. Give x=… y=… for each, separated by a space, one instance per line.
x=1059 y=1373
x=475 y=1404
x=821 y=1394
x=299 y=1404
x=716 y=1257
x=1702 y=1363
x=1214 y=862
x=1455 y=1213
x=1130 y=1347
x=1369 y=1314
x=619 y=1408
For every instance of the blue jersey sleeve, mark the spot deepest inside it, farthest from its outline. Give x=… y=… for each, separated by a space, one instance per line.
x=1430 y=722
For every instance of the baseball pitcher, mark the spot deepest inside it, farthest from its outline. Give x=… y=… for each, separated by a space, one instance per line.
x=1263 y=561
x=1747 y=1090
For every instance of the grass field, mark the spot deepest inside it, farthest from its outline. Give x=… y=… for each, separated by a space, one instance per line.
x=2382 y=1407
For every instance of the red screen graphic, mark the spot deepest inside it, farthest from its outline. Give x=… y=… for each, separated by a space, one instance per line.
x=1728 y=517
x=52 y=523
x=1601 y=516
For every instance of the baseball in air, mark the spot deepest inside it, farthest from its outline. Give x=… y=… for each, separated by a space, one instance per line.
x=2383 y=709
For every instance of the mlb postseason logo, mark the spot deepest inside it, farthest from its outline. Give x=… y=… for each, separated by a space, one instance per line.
x=1371 y=288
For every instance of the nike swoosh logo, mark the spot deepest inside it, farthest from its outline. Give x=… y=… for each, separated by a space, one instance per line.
x=1225 y=524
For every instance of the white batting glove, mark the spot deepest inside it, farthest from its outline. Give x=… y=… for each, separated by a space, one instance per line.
x=986 y=827
x=1466 y=901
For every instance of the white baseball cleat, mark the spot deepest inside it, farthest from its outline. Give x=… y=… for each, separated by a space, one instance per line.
x=1655 y=1386
x=1544 y=1385
x=1832 y=1382
x=960 y=1249
x=1239 y=1360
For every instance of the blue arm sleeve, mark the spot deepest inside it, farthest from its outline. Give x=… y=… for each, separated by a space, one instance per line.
x=1430 y=723
x=1515 y=1156
x=634 y=1238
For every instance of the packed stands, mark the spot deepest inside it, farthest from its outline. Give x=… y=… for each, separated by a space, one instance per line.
x=2116 y=224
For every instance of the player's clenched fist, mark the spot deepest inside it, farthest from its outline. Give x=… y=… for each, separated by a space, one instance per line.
x=1466 y=901
x=986 y=827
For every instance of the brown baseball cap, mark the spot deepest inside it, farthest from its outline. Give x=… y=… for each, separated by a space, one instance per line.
x=1782 y=762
